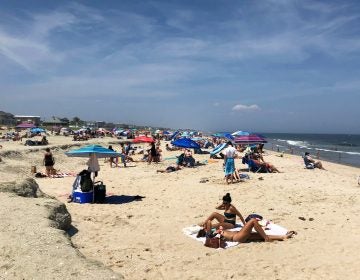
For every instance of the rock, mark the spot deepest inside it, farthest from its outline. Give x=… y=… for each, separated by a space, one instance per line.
x=59 y=215
x=26 y=188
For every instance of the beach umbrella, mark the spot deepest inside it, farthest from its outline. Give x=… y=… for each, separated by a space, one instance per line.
x=25 y=125
x=186 y=143
x=93 y=152
x=174 y=134
x=218 y=148
x=37 y=130
x=143 y=139
x=89 y=150
x=249 y=139
x=240 y=133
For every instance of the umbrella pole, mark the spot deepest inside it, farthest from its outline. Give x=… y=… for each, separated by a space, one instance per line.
x=93 y=188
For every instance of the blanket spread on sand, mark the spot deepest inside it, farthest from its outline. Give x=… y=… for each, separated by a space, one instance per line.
x=271 y=229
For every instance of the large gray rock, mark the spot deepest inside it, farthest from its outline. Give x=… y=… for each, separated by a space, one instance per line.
x=59 y=215
x=26 y=188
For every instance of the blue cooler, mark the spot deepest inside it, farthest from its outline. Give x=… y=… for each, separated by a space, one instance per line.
x=83 y=197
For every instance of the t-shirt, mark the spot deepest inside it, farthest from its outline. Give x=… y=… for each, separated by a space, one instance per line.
x=229 y=152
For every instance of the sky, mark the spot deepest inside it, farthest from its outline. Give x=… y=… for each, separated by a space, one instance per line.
x=254 y=65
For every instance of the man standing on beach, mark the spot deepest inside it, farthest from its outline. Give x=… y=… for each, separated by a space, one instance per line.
x=229 y=162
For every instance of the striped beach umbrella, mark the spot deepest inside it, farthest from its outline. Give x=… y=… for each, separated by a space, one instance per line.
x=249 y=139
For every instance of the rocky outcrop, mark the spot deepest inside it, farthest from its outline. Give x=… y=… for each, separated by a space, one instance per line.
x=26 y=188
x=33 y=238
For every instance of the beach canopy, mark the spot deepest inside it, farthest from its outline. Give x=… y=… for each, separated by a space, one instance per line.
x=25 y=125
x=186 y=143
x=97 y=150
x=37 y=130
x=250 y=139
x=240 y=133
x=143 y=139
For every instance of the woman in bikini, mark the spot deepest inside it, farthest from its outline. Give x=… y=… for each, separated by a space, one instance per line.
x=228 y=220
x=246 y=234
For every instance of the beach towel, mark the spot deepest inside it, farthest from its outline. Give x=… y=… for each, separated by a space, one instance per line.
x=271 y=229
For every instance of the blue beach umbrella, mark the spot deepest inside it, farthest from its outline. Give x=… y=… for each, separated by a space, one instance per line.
x=97 y=150
x=186 y=143
x=174 y=134
x=226 y=135
x=37 y=130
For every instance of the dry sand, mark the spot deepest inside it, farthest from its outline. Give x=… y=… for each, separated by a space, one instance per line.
x=144 y=239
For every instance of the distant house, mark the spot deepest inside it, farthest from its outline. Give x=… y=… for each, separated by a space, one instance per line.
x=7 y=119
x=27 y=119
x=55 y=121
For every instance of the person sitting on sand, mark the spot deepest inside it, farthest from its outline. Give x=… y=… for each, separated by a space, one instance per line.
x=169 y=169
x=246 y=234
x=228 y=220
x=44 y=141
x=258 y=166
x=310 y=163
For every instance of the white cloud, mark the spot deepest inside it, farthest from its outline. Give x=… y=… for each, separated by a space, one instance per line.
x=242 y=108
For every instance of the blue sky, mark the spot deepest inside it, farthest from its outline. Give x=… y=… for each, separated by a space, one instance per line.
x=258 y=65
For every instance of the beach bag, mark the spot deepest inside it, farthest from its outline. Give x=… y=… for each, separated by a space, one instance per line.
x=86 y=184
x=214 y=242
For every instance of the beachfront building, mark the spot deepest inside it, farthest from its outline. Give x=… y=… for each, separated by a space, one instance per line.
x=35 y=120
x=55 y=122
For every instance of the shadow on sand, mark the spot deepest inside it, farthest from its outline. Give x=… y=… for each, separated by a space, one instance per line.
x=121 y=199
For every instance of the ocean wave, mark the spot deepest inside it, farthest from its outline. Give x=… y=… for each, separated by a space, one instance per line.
x=337 y=151
x=297 y=143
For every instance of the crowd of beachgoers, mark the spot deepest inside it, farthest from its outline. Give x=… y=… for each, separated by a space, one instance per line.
x=166 y=176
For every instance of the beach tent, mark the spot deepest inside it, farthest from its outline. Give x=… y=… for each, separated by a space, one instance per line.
x=186 y=143
x=250 y=139
x=143 y=139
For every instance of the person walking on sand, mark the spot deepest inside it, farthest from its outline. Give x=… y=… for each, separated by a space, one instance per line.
x=229 y=162
x=49 y=162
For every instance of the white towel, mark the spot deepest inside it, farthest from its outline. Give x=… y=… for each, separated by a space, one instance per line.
x=271 y=229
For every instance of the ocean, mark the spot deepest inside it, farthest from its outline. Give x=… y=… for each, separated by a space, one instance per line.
x=339 y=148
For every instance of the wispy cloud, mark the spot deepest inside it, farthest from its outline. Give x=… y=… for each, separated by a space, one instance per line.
x=245 y=108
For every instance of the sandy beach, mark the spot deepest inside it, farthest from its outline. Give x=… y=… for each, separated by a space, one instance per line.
x=143 y=239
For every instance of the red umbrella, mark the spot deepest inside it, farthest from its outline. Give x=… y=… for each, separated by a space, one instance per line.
x=143 y=139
